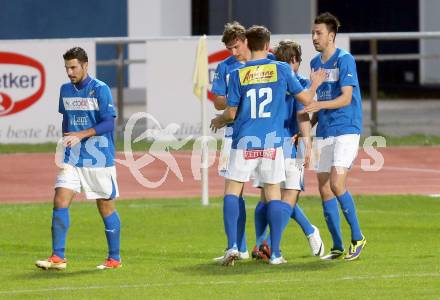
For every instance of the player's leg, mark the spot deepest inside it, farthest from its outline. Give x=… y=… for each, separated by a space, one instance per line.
x=331 y=215
x=101 y=184
x=231 y=209
x=346 y=148
x=112 y=224
x=278 y=216
x=261 y=249
x=239 y=172
x=67 y=184
x=272 y=172
x=260 y=218
x=61 y=219
x=241 y=227
x=311 y=231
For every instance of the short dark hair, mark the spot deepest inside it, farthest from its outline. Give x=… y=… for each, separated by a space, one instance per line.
x=76 y=53
x=287 y=50
x=257 y=37
x=232 y=32
x=331 y=22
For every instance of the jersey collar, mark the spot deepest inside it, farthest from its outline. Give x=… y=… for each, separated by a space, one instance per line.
x=83 y=83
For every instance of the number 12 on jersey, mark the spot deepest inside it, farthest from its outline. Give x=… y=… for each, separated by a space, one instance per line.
x=264 y=97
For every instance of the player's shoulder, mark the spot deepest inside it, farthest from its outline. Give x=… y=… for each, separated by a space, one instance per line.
x=315 y=59
x=345 y=55
x=66 y=86
x=229 y=61
x=282 y=66
x=95 y=82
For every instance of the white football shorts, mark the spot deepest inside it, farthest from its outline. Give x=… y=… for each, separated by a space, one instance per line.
x=336 y=151
x=294 y=176
x=266 y=165
x=96 y=183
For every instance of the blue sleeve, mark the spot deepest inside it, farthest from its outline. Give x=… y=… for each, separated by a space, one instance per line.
x=107 y=124
x=233 y=98
x=219 y=83
x=105 y=102
x=64 y=125
x=61 y=109
x=293 y=85
x=305 y=83
x=271 y=56
x=347 y=71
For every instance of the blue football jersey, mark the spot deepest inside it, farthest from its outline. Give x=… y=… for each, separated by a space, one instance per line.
x=259 y=89
x=221 y=79
x=83 y=109
x=341 y=70
x=290 y=120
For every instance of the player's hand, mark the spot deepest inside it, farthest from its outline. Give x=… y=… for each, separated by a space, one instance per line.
x=307 y=151
x=313 y=107
x=217 y=123
x=71 y=139
x=318 y=76
x=294 y=139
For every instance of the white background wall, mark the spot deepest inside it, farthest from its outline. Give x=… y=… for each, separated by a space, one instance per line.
x=154 y=18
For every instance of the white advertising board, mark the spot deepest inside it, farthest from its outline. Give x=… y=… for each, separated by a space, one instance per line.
x=31 y=73
x=169 y=87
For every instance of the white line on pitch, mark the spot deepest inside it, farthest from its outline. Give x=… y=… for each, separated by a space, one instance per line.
x=225 y=282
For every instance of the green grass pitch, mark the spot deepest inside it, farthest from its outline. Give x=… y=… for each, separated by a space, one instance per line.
x=168 y=246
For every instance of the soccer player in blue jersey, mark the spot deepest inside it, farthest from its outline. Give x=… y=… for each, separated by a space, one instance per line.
x=256 y=104
x=88 y=123
x=339 y=112
x=295 y=121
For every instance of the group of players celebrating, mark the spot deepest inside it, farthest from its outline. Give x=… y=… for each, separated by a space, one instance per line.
x=266 y=104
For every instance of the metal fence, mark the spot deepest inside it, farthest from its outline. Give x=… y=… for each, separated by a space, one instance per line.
x=373 y=58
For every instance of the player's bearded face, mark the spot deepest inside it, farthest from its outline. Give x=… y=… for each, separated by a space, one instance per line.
x=238 y=48
x=321 y=37
x=76 y=71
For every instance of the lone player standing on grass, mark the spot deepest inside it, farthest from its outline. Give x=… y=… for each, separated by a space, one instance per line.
x=339 y=109
x=88 y=123
x=256 y=101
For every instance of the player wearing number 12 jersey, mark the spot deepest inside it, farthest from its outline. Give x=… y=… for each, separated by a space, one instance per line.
x=255 y=101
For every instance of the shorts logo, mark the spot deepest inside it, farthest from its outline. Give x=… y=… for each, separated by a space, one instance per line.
x=22 y=82
x=263 y=153
x=258 y=74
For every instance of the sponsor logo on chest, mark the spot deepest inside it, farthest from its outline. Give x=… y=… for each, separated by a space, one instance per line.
x=79 y=120
x=79 y=103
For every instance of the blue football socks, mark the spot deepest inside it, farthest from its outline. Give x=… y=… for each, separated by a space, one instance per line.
x=349 y=210
x=113 y=234
x=278 y=215
x=331 y=215
x=60 y=226
x=299 y=216
x=241 y=225
x=230 y=218
x=260 y=222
